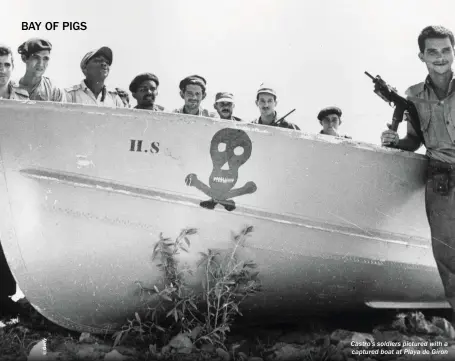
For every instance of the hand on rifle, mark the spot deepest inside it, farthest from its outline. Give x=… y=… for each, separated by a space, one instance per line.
x=389 y=138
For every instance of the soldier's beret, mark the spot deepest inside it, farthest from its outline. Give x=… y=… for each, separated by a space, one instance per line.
x=193 y=79
x=329 y=110
x=34 y=45
x=140 y=78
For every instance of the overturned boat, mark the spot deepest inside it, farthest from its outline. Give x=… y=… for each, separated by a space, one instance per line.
x=86 y=191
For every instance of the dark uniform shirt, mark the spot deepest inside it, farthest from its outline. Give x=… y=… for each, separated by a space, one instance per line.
x=282 y=124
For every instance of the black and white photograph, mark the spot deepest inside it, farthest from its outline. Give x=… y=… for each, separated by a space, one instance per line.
x=243 y=180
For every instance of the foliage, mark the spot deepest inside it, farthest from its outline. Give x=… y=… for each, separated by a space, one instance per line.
x=175 y=307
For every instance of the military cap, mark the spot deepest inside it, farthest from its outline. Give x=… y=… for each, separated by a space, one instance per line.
x=224 y=97
x=140 y=78
x=34 y=45
x=264 y=89
x=193 y=79
x=104 y=50
x=329 y=110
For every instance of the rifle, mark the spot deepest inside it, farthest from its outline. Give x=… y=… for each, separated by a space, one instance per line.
x=390 y=95
x=282 y=118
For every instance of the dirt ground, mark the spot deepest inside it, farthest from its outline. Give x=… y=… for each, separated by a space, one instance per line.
x=26 y=335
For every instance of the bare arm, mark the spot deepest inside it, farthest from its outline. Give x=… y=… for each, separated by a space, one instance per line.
x=411 y=142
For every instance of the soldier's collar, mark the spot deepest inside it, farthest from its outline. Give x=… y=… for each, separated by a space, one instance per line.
x=429 y=83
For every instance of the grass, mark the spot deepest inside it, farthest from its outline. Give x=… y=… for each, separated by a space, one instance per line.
x=177 y=309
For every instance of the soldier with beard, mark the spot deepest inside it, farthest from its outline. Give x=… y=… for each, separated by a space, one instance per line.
x=95 y=65
x=224 y=105
x=35 y=53
x=144 y=88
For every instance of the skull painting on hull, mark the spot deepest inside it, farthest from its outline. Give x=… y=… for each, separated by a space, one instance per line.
x=229 y=150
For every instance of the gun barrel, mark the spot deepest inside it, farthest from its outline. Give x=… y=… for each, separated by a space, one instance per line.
x=371 y=76
x=292 y=111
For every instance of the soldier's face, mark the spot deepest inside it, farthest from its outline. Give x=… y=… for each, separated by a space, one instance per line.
x=37 y=63
x=193 y=96
x=330 y=124
x=266 y=104
x=224 y=109
x=6 y=67
x=438 y=55
x=97 y=68
x=146 y=93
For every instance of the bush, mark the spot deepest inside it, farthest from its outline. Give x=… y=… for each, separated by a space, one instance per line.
x=176 y=308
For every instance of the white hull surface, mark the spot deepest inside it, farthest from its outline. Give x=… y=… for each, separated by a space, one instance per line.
x=337 y=224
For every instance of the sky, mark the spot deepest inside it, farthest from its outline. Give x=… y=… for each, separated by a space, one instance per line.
x=313 y=53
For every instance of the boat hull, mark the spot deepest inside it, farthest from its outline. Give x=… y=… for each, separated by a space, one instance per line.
x=337 y=224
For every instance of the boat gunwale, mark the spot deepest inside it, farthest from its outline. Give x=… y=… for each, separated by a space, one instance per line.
x=246 y=126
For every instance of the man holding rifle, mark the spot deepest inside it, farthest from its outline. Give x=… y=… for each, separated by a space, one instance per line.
x=434 y=101
x=266 y=102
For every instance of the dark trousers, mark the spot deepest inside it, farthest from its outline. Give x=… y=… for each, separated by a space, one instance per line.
x=7 y=288
x=440 y=208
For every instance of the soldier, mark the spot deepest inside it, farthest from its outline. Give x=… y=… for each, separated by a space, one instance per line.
x=35 y=53
x=435 y=103
x=330 y=119
x=144 y=88
x=95 y=65
x=192 y=91
x=266 y=102
x=224 y=105
x=9 y=90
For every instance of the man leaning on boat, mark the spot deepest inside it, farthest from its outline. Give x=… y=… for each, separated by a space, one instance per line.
x=434 y=100
x=266 y=101
x=9 y=90
x=330 y=120
x=92 y=90
x=224 y=105
x=192 y=91
x=35 y=53
x=144 y=88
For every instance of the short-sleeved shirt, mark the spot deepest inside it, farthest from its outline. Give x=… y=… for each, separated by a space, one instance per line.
x=16 y=92
x=202 y=112
x=437 y=119
x=45 y=90
x=81 y=94
x=156 y=108
x=282 y=124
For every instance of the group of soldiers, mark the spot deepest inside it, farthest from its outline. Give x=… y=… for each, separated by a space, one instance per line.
x=434 y=100
x=95 y=66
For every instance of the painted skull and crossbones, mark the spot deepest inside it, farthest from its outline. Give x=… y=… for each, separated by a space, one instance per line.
x=229 y=150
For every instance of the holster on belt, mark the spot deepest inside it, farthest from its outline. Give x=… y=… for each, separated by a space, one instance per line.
x=443 y=176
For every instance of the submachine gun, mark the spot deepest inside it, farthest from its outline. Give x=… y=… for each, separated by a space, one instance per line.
x=390 y=95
